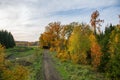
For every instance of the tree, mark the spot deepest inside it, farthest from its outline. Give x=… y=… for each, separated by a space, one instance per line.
x=94 y=21
x=103 y=40
x=79 y=45
x=2 y=60
x=113 y=67
x=95 y=51
x=6 y=39
x=51 y=36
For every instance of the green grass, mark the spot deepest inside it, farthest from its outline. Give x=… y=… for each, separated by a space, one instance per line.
x=70 y=71
x=36 y=68
x=19 y=51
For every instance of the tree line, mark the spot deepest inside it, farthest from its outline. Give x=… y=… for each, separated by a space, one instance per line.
x=80 y=44
x=6 y=39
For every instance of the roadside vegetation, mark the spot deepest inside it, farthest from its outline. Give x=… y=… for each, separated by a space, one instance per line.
x=70 y=71
x=22 y=61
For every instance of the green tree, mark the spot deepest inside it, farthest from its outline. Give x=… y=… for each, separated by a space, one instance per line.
x=113 y=67
x=103 y=40
x=6 y=39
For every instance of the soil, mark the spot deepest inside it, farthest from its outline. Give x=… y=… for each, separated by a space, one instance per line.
x=50 y=73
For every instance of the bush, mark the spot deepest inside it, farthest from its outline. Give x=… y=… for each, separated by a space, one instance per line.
x=11 y=71
x=64 y=56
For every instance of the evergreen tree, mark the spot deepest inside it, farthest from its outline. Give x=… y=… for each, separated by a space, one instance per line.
x=103 y=40
x=6 y=39
x=113 y=67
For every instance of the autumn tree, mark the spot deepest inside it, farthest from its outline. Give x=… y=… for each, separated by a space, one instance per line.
x=2 y=61
x=95 y=51
x=66 y=33
x=95 y=22
x=42 y=41
x=79 y=45
x=51 y=36
x=69 y=29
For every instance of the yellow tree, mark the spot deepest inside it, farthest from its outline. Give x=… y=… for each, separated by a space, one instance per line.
x=65 y=34
x=78 y=45
x=2 y=59
x=41 y=41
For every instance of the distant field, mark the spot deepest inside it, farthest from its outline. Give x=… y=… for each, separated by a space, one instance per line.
x=19 y=51
x=31 y=57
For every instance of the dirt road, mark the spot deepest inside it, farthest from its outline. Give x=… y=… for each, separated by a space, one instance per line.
x=50 y=72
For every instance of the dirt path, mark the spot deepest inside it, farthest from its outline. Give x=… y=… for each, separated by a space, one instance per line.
x=49 y=71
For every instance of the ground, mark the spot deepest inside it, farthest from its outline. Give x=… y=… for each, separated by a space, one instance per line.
x=38 y=61
x=50 y=72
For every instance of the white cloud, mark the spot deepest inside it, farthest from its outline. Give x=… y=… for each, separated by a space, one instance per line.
x=26 y=19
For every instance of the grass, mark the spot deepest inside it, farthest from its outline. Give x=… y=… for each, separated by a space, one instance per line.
x=36 y=68
x=28 y=54
x=19 y=51
x=70 y=71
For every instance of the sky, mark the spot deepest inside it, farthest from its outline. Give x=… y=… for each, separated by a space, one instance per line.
x=26 y=19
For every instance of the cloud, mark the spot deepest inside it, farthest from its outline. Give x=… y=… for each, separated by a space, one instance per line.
x=27 y=19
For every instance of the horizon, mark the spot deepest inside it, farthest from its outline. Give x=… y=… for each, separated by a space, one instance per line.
x=26 y=19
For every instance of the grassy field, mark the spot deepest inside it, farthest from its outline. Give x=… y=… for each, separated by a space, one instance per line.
x=70 y=71
x=30 y=57
x=19 y=51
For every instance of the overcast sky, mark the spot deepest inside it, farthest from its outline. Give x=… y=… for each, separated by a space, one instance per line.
x=26 y=19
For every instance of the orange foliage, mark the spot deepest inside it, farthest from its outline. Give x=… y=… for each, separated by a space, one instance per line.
x=51 y=36
x=95 y=52
x=94 y=21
